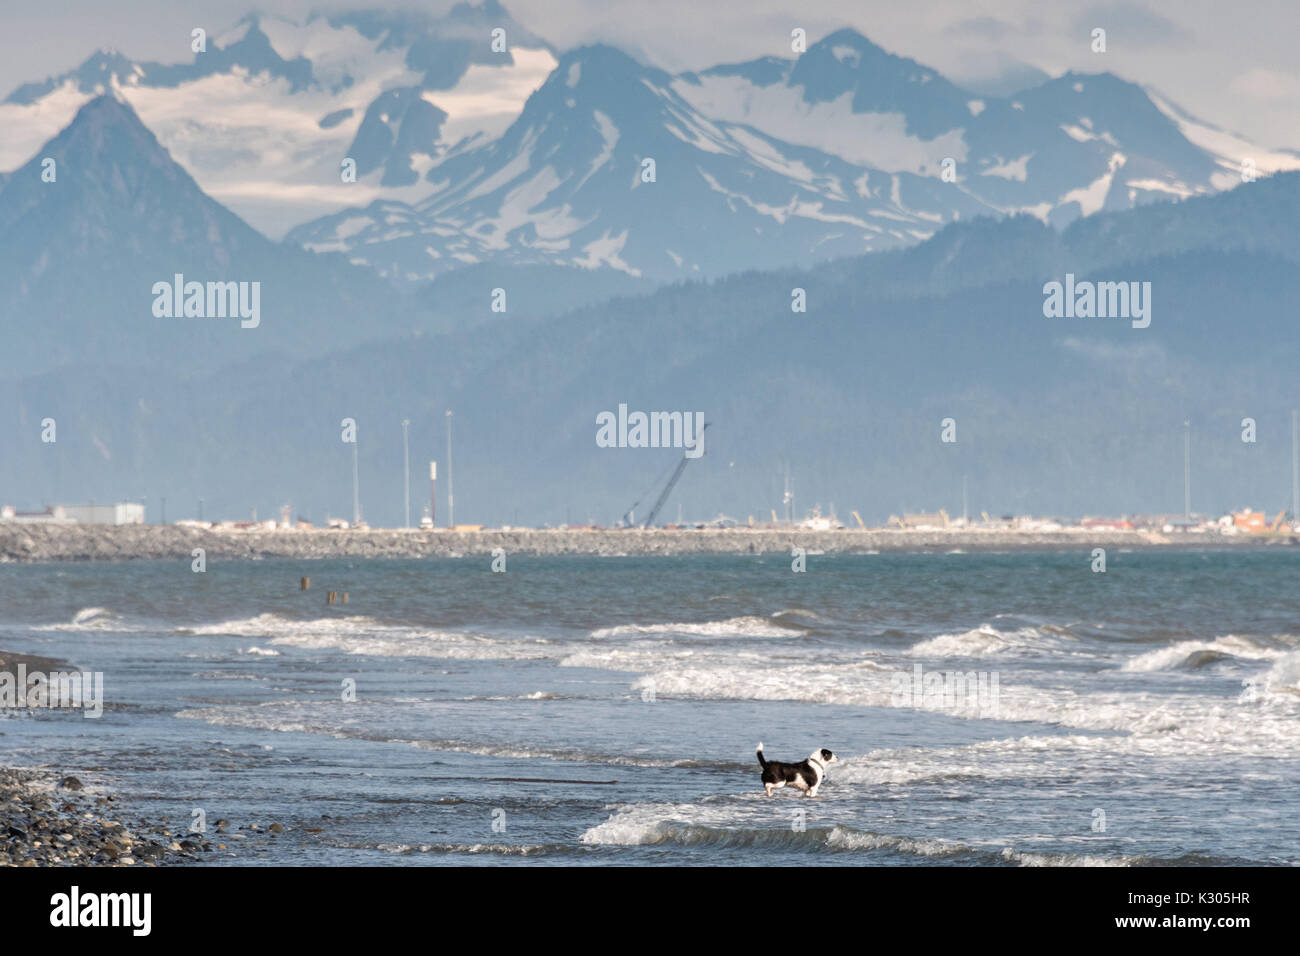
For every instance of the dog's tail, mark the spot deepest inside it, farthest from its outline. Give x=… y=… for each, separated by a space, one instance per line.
x=761 y=760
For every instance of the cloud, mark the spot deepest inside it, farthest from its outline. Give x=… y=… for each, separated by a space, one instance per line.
x=1104 y=351
x=1267 y=84
x=1131 y=25
x=993 y=73
x=981 y=28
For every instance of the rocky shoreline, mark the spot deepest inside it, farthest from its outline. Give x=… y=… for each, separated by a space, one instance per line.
x=38 y=543
x=47 y=821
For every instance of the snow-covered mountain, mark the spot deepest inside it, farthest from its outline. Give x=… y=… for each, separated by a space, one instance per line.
x=571 y=182
x=779 y=161
x=263 y=118
x=80 y=254
x=469 y=157
x=1071 y=146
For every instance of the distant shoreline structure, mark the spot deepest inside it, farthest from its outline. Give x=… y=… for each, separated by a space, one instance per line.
x=49 y=543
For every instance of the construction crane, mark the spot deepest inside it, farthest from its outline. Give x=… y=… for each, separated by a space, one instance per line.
x=629 y=516
x=1277 y=522
x=668 y=488
x=858 y=518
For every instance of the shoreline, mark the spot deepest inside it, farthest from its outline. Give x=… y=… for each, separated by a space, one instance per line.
x=53 y=819
x=23 y=543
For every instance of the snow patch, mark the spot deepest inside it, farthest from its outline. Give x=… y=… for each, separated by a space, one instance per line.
x=877 y=140
x=846 y=55
x=605 y=251
x=1092 y=197
x=1016 y=169
x=1229 y=148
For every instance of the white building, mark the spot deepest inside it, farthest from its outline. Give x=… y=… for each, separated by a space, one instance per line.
x=128 y=512
x=54 y=515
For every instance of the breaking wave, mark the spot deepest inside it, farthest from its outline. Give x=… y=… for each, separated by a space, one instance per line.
x=653 y=825
x=1193 y=655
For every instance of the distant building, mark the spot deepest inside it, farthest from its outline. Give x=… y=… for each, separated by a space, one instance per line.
x=55 y=515
x=1250 y=521
x=1107 y=524
x=125 y=513
x=128 y=512
x=924 y=521
x=1030 y=523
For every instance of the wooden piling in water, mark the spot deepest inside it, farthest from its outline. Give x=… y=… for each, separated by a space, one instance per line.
x=304 y=584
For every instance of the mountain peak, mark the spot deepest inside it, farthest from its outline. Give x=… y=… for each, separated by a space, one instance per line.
x=109 y=163
x=618 y=78
x=847 y=36
x=852 y=50
x=109 y=108
x=879 y=82
x=602 y=56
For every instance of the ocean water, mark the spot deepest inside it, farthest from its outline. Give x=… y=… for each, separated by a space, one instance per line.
x=586 y=711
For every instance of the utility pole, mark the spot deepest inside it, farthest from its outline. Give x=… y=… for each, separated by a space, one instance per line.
x=1187 y=468
x=406 y=469
x=1295 y=467
x=787 y=498
x=356 y=489
x=451 y=506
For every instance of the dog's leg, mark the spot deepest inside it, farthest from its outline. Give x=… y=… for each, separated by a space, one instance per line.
x=769 y=788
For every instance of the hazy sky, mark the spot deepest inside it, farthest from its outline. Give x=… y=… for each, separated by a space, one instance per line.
x=1234 y=64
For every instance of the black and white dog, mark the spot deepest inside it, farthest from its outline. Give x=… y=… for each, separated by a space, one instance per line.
x=806 y=775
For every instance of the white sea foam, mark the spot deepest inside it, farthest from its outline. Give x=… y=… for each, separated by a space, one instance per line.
x=1284 y=676
x=364 y=635
x=499 y=849
x=274 y=625
x=1267 y=722
x=746 y=626
x=1264 y=719
x=647 y=656
x=1028 y=858
x=227 y=675
x=93 y=619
